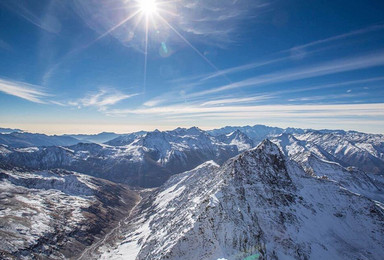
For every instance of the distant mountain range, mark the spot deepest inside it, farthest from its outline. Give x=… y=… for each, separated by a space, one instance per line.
x=96 y=138
x=22 y=139
x=232 y=193
x=9 y=130
x=148 y=159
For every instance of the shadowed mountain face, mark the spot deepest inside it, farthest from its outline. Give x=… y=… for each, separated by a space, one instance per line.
x=57 y=214
x=259 y=205
x=149 y=159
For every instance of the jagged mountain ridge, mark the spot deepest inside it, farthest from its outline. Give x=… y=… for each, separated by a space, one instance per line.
x=259 y=205
x=147 y=159
x=257 y=132
x=351 y=148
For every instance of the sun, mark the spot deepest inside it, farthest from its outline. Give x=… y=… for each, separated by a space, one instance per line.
x=148 y=7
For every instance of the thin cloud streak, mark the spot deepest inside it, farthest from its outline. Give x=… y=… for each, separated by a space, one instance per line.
x=236 y=100
x=312 y=110
x=328 y=68
x=340 y=37
x=300 y=47
x=23 y=90
x=48 y=23
x=244 y=68
x=327 y=97
x=324 y=86
x=180 y=97
x=332 y=85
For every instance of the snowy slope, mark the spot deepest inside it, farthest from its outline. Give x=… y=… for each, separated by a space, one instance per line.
x=237 y=138
x=258 y=205
x=318 y=163
x=56 y=214
x=125 y=139
x=351 y=148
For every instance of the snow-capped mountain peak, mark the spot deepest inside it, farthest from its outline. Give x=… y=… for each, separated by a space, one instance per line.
x=258 y=205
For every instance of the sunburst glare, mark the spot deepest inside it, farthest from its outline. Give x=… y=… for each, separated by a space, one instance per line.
x=148 y=7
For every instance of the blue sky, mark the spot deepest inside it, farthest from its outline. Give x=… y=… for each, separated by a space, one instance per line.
x=86 y=66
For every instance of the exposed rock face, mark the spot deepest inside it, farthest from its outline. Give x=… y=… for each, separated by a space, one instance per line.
x=260 y=205
x=57 y=214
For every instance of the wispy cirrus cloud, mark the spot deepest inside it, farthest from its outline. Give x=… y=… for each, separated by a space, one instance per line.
x=285 y=92
x=294 y=50
x=217 y=20
x=171 y=97
x=327 y=97
x=181 y=96
x=245 y=67
x=259 y=111
x=47 y=22
x=322 y=69
x=372 y=28
x=23 y=90
x=242 y=100
x=102 y=99
x=155 y=101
